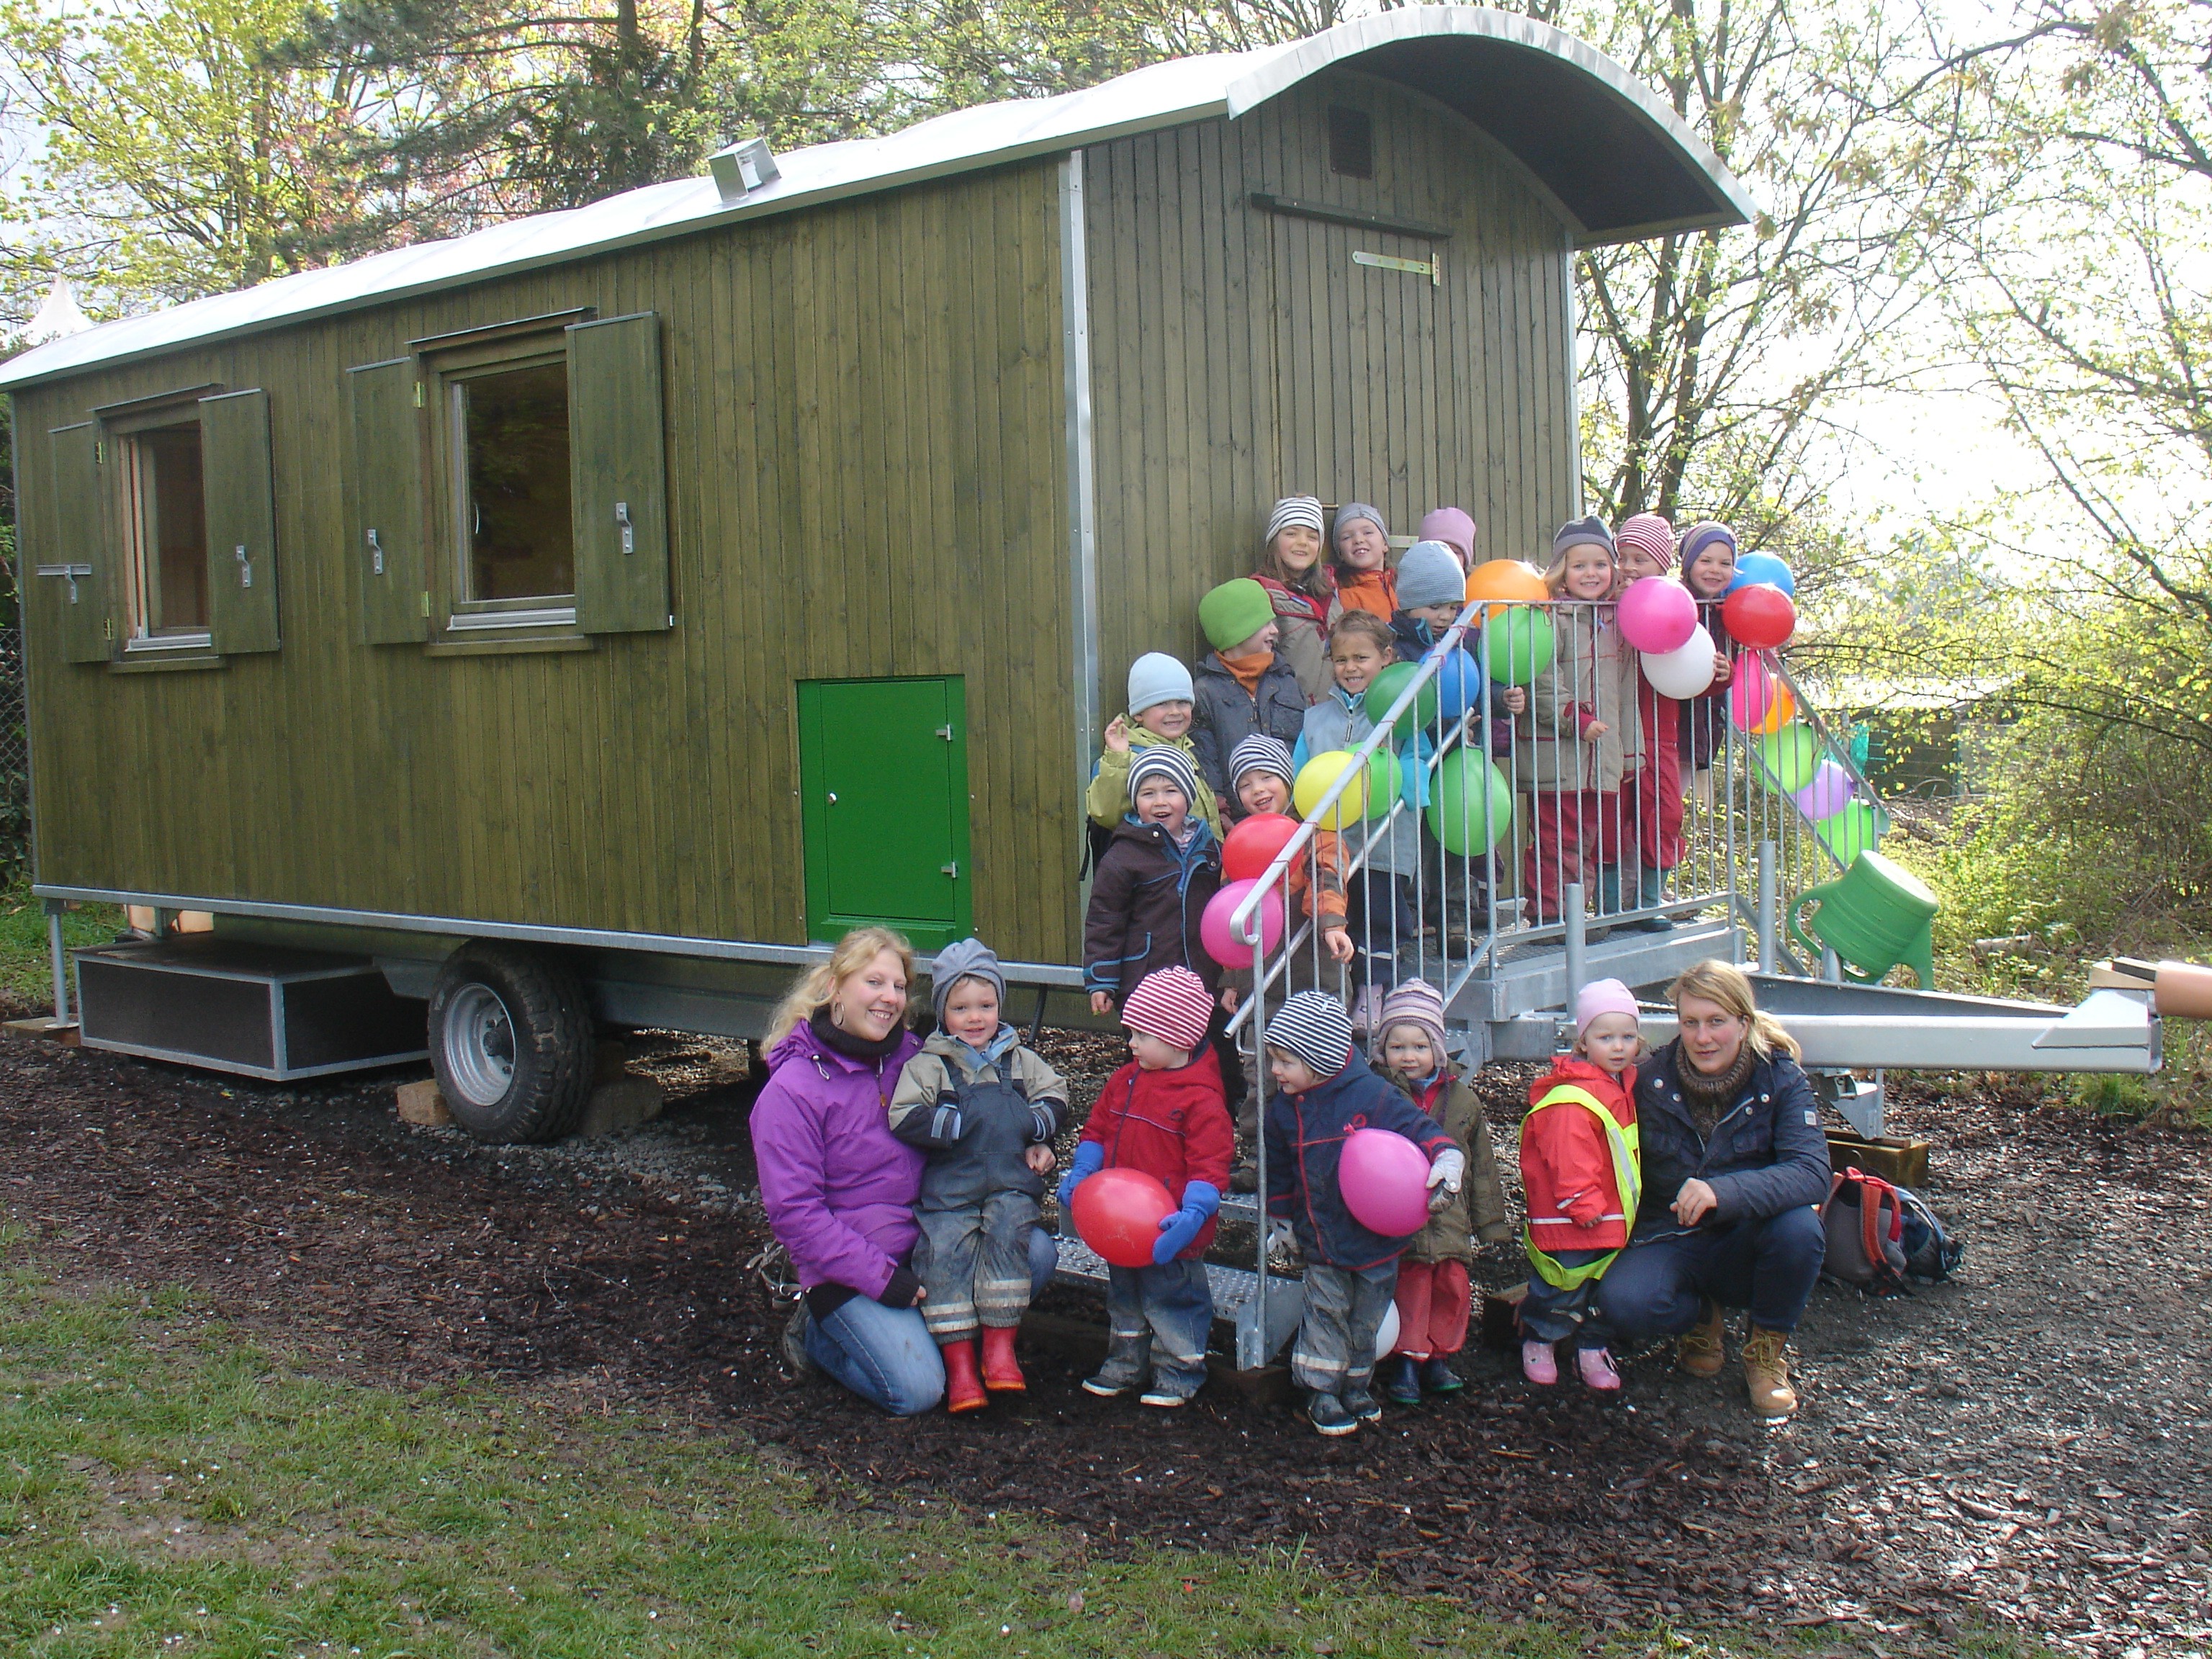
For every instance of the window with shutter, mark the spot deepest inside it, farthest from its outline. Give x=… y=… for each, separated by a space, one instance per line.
x=384 y=538
x=72 y=583
x=615 y=440
x=238 y=491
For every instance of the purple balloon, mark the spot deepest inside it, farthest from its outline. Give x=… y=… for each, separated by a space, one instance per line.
x=1827 y=794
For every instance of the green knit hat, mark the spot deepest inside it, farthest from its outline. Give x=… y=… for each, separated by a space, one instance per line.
x=1234 y=612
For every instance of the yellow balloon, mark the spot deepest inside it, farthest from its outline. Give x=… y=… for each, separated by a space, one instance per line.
x=1315 y=778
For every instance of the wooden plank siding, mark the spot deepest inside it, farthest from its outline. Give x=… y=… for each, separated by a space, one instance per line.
x=1239 y=355
x=866 y=476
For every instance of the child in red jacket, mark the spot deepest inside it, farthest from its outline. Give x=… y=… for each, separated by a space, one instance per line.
x=1164 y=1113
x=1580 y=1177
x=1654 y=789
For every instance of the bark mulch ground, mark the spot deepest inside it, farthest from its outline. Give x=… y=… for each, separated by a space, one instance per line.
x=2028 y=1445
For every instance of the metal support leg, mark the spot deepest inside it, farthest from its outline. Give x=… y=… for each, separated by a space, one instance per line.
x=1577 y=942
x=1770 y=932
x=60 y=960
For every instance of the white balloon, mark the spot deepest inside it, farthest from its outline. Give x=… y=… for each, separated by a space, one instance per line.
x=1684 y=672
x=1386 y=1336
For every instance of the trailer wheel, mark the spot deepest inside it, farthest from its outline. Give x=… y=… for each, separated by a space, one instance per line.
x=512 y=1042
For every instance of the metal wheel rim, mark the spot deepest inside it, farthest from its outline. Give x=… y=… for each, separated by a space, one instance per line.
x=479 y=1044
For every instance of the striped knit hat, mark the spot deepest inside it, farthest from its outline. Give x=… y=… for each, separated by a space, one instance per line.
x=1650 y=534
x=1167 y=761
x=1171 y=1004
x=1416 y=1003
x=1261 y=753
x=1313 y=1026
x=1293 y=509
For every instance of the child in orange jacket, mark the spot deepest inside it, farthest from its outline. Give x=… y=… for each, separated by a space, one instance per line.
x=1580 y=1177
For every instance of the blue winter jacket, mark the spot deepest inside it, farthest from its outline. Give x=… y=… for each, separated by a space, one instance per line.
x=1306 y=1135
x=1767 y=1154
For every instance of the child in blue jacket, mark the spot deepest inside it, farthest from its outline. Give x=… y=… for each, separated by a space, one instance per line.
x=1324 y=1092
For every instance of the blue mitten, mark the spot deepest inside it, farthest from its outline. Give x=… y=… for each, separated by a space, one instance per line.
x=1090 y=1159
x=1200 y=1201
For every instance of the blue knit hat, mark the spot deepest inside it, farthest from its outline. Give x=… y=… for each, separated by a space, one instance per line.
x=1156 y=677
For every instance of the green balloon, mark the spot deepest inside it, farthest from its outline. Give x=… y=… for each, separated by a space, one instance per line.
x=1790 y=757
x=1471 y=805
x=1388 y=686
x=1385 y=778
x=1517 y=644
x=1857 y=829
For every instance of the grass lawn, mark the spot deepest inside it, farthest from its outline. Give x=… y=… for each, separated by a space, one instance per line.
x=25 y=973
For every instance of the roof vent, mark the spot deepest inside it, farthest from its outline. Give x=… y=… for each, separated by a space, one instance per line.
x=743 y=168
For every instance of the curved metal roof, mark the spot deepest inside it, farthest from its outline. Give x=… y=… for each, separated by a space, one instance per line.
x=1615 y=162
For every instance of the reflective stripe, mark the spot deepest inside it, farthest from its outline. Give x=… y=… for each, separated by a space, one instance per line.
x=1626 y=1146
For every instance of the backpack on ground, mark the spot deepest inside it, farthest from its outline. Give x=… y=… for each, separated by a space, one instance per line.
x=1932 y=1254
x=1865 y=1223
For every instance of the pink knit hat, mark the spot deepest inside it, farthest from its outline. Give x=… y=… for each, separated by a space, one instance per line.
x=1454 y=528
x=1602 y=996
x=1171 y=1004
x=1651 y=532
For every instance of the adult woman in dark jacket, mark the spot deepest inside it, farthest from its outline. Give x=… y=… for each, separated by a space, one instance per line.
x=1735 y=1166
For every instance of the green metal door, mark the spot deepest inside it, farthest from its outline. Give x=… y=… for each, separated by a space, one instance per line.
x=884 y=785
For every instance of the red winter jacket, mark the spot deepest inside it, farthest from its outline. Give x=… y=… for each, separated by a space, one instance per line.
x=1566 y=1168
x=1174 y=1125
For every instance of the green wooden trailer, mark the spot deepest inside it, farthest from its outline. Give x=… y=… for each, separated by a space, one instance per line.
x=602 y=609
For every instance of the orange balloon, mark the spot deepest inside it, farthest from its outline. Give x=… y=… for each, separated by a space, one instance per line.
x=1506 y=578
x=1781 y=711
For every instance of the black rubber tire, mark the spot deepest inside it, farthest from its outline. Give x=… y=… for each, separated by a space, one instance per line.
x=554 y=1045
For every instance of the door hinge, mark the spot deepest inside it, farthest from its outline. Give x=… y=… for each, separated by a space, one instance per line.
x=951 y=870
x=945 y=732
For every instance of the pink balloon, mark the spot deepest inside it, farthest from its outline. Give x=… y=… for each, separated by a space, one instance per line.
x=1213 y=930
x=1751 y=692
x=1657 y=615
x=1827 y=794
x=1384 y=1181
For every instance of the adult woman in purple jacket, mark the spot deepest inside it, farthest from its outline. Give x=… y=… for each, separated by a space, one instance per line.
x=839 y=1187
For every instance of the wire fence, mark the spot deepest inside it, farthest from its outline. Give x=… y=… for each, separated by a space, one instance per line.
x=15 y=760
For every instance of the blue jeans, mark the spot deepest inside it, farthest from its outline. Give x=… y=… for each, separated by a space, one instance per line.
x=1551 y=1314
x=1769 y=1266
x=1158 y=1316
x=885 y=1355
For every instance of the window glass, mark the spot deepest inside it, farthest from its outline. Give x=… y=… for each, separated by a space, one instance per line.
x=515 y=525
x=172 y=531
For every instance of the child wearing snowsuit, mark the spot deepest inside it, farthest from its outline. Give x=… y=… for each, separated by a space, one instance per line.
x=1323 y=1092
x=1580 y=736
x=1160 y=705
x=1163 y=1113
x=1243 y=686
x=983 y=1109
x=1581 y=1175
x=1297 y=579
x=1654 y=789
x=1434 y=1293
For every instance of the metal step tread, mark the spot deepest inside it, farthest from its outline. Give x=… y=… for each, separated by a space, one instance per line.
x=1233 y=1287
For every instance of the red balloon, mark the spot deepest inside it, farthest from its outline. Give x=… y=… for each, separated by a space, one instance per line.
x=1760 y=616
x=1251 y=847
x=1118 y=1213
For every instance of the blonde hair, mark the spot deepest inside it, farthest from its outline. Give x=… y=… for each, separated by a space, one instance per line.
x=1555 y=578
x=1729 y=988
x=814 y=987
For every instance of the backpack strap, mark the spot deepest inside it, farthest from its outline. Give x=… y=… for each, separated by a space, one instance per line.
x=1875 y=1195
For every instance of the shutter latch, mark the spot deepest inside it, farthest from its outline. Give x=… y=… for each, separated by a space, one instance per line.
x=376 y=553
x=68 y=573
x=245 y=568
x=628 y=529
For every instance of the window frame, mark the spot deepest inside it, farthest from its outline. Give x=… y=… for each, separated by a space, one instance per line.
x=126 y=431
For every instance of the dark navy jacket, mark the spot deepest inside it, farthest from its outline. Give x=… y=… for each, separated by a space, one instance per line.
x=1146 y=896
x=1768 y=1152
x=1306 y=1134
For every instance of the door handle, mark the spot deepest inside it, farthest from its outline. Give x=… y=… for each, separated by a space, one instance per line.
x=833 y=797
x=951 y=870
x=946 y=732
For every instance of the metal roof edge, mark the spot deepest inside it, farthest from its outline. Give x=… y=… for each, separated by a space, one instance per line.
x=1303 y=59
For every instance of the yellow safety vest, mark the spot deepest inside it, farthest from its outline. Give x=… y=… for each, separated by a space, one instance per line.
x=1626 y=1146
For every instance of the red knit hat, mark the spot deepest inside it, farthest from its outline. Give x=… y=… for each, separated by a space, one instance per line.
x=1172 y=1005
x=1651 y=533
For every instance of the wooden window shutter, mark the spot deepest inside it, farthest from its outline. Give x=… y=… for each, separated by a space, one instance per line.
x=73 y=582
x=385 y=537
x=620 y=487
x=241 y=521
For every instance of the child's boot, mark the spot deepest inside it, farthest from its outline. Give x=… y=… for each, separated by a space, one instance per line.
x=1598 y=1375
x=964 y=1389
x=1326 y=1413
x=1651 y=890
x=1400 y=1375
x=1438 y=1377
x=1538 y=1363
x=1360 y=1403
x=1002 y=1372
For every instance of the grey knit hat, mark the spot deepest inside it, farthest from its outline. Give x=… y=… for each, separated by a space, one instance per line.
x=1351 y=513
x=969 y=958
x=1293 y=509
x=1430 y=573
x=1156 y=677
x=1313 y=1026
x=1584 y=532
x=1163 y=759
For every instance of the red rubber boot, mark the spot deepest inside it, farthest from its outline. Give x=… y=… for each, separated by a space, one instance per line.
x=963 y=1390
x=1002 y=1372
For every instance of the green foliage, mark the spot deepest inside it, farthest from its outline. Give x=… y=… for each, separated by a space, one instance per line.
x=26 y=974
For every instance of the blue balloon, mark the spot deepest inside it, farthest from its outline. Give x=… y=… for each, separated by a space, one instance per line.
x=1751 y=568
x=1459 y=686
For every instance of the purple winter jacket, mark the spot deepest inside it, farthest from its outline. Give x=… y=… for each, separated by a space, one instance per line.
x=839 y=1186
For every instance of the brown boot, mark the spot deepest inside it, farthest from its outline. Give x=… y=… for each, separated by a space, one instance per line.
x=1766 y=1373
x=1002 y=1372
x=963 y=1390
x=1700 y=1350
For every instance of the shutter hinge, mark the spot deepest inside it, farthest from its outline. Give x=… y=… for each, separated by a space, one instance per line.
x=951 y=870
x=426 y=601
x=99 y=452
x=376 y=553
x=245 y=568
x=946 y=732
x=107 y=628
x=628 y=529
x=418 y=394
